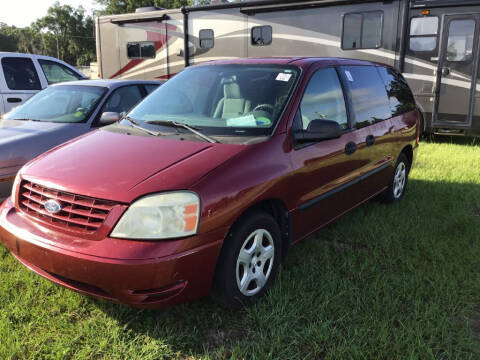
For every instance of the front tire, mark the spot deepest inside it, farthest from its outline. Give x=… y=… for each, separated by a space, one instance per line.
x=248 y=262
x=398 y=183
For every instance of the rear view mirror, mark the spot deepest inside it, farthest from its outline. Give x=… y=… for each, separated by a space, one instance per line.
x=318 y=130
x=108 y=118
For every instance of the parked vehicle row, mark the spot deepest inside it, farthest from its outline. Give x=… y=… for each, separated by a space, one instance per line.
x=205 y=184
x=61 y=113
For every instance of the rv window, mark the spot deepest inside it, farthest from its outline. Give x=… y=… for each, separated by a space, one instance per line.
x=362 y=30
x=206 y=37
x=141 y=50
x=367 y=95
x=460 y=40
x=423 y=33
x=261 y=35
x=399 y=93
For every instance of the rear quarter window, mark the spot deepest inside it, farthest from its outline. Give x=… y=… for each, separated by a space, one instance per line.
x=400 y=96
x=367 y=95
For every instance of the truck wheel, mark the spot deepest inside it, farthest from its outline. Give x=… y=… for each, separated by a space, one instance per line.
x=248 y=262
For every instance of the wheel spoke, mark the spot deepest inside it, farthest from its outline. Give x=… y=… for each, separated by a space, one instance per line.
x=246 y=282
x=259 y=240
x=244 y=257
x=260 y=279
x=267 y=253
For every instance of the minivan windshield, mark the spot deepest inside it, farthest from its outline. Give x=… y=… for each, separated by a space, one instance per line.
x=232 y=100
x=60 y=104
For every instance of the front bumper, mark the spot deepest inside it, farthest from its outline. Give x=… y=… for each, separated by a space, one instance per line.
x=180 y=271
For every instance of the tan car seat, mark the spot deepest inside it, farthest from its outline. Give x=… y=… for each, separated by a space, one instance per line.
x=232 y=104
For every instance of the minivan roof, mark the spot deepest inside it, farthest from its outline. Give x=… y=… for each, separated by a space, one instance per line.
x=302 y=62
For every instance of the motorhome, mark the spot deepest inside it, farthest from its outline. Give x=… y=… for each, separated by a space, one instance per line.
x=434 y=43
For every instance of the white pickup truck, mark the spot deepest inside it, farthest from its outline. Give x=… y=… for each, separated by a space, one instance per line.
x=22 y=75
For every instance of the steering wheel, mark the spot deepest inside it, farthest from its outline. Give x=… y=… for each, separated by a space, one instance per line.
x=265 y=107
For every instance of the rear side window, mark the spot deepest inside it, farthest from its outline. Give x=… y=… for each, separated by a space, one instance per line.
x=141 y=50
x=362 y=30
x=423 y=33
x=323 y=99
x=20 y=74
x=56 y=72
x=261 y=35
x=399 y=94
x=367 y=95
x=123 y=99
x=150 y=88
x=206 y=37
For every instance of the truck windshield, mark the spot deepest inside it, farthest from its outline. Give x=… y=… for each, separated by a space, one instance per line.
x=239 y=100
x=61 y=104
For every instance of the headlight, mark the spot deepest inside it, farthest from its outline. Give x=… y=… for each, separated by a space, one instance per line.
x=160 y=216
x=15 y=186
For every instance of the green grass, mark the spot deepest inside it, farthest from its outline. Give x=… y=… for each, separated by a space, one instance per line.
x=384 y=282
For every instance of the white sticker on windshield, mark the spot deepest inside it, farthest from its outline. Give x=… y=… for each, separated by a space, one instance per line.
x=283 y=77
x=349 y=75
x=243 y=121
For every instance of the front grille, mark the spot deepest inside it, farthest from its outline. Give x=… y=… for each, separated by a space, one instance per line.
x=78 y=213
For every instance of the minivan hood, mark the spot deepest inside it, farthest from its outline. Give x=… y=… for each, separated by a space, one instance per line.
x=122 y=167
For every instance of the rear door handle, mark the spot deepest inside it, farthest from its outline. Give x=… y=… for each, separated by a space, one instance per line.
x=14 y=100
x=350 y=148
x=370 y=140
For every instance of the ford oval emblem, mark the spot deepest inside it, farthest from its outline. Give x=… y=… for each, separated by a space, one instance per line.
x=52 y=206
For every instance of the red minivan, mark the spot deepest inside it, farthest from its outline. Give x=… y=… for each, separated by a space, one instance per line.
x=204 y=186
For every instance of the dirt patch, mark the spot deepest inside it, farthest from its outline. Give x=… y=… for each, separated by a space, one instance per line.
x=215 y=338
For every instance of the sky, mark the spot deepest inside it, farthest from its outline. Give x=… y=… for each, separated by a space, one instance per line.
x=22 y=13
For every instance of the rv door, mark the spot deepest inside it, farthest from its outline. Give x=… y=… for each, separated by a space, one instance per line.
x=457 y=71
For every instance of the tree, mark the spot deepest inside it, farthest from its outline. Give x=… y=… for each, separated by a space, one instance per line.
x=129 y=6
x=8 y=37
x=67 y=34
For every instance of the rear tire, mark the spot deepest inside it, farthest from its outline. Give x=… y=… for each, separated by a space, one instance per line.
x=248 y=262
x=398 y=183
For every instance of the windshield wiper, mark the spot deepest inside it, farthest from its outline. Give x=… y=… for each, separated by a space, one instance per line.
x=134 y=124
x=26 y=119
x=183 y=125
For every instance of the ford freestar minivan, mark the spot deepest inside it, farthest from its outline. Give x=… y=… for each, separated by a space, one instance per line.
x=205 y=184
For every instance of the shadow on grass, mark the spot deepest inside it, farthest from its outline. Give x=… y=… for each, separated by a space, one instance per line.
x=408 y=268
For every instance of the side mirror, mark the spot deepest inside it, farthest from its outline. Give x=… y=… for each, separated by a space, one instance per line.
x=318 y=130
x=108 y=118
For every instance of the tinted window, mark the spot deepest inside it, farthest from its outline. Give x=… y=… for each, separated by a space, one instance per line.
x=56 y=72
x=20 y=74
x=261 y=35
x=150 y=88
x=362 y=30
x=423 y=33
x=123 y=99
x=323 y=99
x=206 y=39
x=399 y=94
x=141 y=50
x=367 y=94
x=460 y=40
